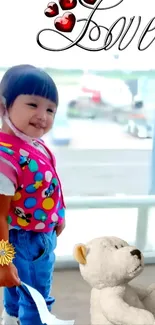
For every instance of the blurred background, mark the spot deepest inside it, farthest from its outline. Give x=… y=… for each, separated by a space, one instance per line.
x=103 y=130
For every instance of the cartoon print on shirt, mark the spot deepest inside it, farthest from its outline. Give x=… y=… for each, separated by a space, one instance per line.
x=23 y=218
x=50 y=190
x=17 y=195
x=4 y=147
x=19 y=188
x=24 y=161
x=38 y=182
x=30 y=163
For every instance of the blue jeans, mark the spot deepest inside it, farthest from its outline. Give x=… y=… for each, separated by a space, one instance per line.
x=35 y=261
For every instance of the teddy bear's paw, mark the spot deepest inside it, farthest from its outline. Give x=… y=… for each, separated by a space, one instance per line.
x=149 y=301
x=151 y=288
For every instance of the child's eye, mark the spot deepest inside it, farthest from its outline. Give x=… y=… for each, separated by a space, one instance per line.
x=50 y=110
x=32 y=104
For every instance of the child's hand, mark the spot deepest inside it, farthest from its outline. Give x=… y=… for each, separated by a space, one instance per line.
x=9 y=276
x=60 y=228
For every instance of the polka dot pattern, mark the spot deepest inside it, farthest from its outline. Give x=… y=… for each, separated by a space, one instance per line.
x=30 y=202
x=48 y=204
x=48 y=176
x=24 y=153
x=40 y=215
x=8 y=145
x=33 y=166
x=9 y=220
x=7 y=150
x=61 y=213
x=40 y=226
x=22 y=222
x=42 y=162
x=54 y=217
x=17 y=196
x=37 y=204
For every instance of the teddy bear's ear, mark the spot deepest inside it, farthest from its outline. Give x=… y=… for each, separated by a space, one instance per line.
x=79 y=253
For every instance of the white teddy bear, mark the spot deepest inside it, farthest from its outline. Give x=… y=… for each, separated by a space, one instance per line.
x=108 y=264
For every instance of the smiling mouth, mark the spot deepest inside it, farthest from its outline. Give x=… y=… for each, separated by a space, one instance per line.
x=38 y=126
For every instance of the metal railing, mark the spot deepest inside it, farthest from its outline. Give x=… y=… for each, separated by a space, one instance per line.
x=142 y=203
x=112 y=202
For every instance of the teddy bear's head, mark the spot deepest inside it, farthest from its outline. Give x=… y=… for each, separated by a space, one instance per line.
x=108 y=261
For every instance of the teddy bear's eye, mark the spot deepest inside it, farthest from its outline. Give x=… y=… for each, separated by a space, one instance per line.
x=116 y=246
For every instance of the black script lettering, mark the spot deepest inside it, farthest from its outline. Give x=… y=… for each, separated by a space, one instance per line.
x=123 y=36
x=106 y=46
x=107 y=43
x=145 y=31
x=77 y=40
x=82 y=33
x=98 y=8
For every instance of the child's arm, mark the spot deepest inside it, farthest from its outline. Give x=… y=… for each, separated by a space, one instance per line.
x=4 y=208
x=8 y=273
x=59 y=229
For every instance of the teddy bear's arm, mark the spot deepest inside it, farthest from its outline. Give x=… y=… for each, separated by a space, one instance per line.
x=117 y=311
x=149 y=300
x=141 y=292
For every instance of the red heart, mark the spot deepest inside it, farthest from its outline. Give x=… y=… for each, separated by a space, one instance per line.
x=90 y=2
x=52 y=10
x=65 y=23
x=68 y=4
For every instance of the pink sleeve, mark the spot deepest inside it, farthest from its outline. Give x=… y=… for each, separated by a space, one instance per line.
x=9 y=172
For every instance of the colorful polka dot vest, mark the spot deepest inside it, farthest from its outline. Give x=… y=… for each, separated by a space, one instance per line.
x=38 y=203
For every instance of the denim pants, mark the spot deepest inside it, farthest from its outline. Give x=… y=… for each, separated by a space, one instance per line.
x=35 y=261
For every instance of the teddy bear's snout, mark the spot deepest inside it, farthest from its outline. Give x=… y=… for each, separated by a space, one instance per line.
x=137 y=253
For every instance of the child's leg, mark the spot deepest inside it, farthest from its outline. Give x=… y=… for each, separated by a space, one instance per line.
x=10 y=300
x=35 y=263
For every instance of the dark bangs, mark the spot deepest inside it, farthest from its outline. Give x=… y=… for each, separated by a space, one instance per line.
x=27 y=80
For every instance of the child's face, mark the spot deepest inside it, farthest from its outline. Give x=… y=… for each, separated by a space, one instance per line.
x=32 y=115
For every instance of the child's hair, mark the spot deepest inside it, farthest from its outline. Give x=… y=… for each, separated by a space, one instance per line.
x=27 y=80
